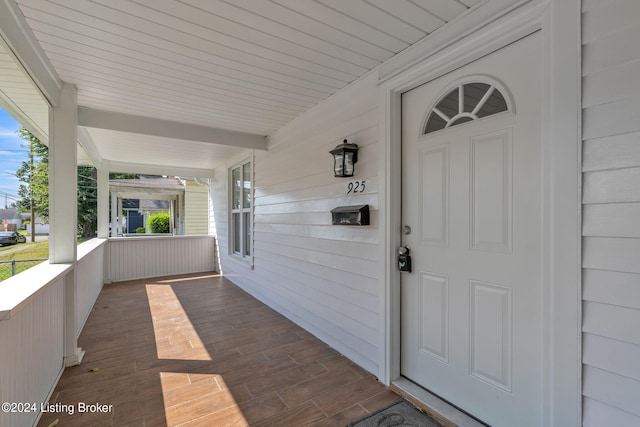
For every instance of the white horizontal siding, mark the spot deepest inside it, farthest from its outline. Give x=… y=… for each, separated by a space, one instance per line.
x=612 y=355
x=612 y=287
x=599 y=23
x=611 y=152
x=611 y=220
x=598 y=414
x=612 y=118
x=347 y=249
x=610 y=253
x=323 y=277
x=136 y=258
x=616 y=48
x=611 y=186
x=598 y=90
x=615 y=390
x=196 y=209
x=611 y=198
x=315 y=298
x=616 y=322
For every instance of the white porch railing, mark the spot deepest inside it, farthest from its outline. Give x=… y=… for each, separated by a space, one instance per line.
x=89 y=278
x=139 y=257
x=32 y=309
x=31 y=340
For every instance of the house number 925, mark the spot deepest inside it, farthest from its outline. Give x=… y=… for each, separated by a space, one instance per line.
x=356 y=187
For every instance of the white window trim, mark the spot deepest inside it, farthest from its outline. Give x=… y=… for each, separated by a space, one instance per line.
x=240 y=257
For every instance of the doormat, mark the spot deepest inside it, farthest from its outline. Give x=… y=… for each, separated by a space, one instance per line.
x=401 y=413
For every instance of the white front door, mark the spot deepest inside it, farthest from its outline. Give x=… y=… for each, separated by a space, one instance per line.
x=471 y=211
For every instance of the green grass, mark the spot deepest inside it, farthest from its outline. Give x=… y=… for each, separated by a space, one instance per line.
x=28 y=251
x=5 y=269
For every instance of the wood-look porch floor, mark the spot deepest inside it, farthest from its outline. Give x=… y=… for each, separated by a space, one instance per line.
x=198 y=351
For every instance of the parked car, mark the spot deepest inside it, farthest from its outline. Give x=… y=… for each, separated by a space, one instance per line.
x=20 y=238
x=7 y=238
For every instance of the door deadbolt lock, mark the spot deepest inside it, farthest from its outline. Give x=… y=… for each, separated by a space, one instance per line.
x=404 y=259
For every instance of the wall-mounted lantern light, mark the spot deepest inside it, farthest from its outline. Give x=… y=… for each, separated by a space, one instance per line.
x=345 y=156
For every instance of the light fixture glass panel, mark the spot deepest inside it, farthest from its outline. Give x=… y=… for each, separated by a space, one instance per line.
x=348 y=164
x=338 y=165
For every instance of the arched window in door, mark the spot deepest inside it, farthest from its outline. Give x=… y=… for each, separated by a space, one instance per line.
x=465 y=103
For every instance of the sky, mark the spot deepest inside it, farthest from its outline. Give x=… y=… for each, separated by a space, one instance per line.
x=12 y=154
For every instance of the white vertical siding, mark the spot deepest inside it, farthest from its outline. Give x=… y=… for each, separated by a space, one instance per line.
x=323 y=277
x=32 y=350
x=89 y=278
x=611 y=198
x=136 y=258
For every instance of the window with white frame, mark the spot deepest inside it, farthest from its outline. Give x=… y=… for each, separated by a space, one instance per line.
x=240 y=234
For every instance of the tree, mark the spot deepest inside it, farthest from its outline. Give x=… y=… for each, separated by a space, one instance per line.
x=39 y=184
x=34 y=176
x=88 y=198
x=87 y=201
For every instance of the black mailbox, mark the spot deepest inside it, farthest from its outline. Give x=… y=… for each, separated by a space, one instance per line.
x=351 y=215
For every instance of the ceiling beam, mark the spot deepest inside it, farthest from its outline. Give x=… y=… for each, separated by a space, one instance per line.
x=23 y=45
x=90 y=147
x=101 y=119
x=147 y=195
x=162 y=170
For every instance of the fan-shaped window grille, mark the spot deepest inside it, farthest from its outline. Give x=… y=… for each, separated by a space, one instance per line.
x=467 y=102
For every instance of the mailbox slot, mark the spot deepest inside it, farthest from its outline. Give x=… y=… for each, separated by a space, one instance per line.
x=350 y=215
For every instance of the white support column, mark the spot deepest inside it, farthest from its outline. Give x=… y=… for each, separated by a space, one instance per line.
x=172 y=216
x=114 y=214
x=63 y=211
x=181 y=215
x=120 y=217
x=103 y=201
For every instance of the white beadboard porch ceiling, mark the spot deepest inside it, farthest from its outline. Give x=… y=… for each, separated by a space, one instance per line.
x=249 y=66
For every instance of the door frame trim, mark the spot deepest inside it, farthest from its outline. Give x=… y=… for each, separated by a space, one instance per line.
x=559 y=21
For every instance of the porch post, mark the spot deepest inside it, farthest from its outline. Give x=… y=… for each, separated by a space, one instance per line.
x=103 y=201
x=63 y=211
x=181 y=213
x=114 y=214
x=120 y=217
